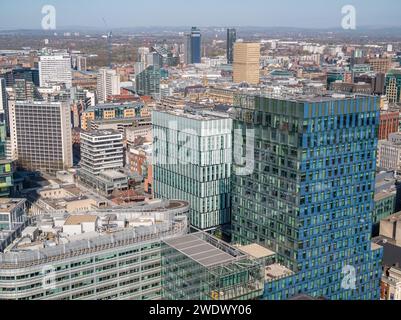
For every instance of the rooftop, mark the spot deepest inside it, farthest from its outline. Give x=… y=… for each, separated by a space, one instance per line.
x=101 y=133
x=6 y=204
x=78 y=219
x=385 y=194
x=257 y=251
x=276 y=271
x=312 y=97
x=201 y=251
x=199 y=116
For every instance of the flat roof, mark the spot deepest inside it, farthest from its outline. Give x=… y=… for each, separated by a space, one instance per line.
x=383 y=195
x=257 y=251
x=78 y=219
x=275 y=271
x=200 y=115
x=101 y=133
x=200 y=251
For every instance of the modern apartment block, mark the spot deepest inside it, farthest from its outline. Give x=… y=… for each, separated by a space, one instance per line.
x=3 y=101
x=101 y=151
x=310 y=197
x=192 y=162
x=108 y=84
x=41 y=135
x=393 y=86
x=110 y=111
x=246 y=62
x=102 y=155
x=55 y=69
x=231 y=39
x=104 y=255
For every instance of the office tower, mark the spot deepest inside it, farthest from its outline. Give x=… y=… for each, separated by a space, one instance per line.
x=231 y=39
x=193 y=46
x=307 y=193
x=393 y=86
x=115 y=254
x=55 y=69
x=191 y=161
x=41 y=134
x=108 y=84
x=246 y=62
x=148 y=82
x=28 y=74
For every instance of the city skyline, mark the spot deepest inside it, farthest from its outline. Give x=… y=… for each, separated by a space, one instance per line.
x=257 y=13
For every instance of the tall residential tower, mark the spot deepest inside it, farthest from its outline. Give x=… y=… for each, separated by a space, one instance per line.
x=231 y=39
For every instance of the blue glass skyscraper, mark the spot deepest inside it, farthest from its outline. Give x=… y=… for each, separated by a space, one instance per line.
x=310 y=195
x=195 y=45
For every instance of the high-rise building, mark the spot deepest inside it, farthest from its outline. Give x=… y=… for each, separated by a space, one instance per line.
x=142 y=53
x=55 y=69
x=102 y=158
x=101 y=151
x=380 y=65
x=108 y=84
x=25 y=90
x=4 y=104
x=148 y=82
x=308 y=190
x=193 y=47
x=192 y=162
x=79 y=62
x=246 y=62
x=41 y=134
x=6 y=166
x=393 y=86
x=231 y=39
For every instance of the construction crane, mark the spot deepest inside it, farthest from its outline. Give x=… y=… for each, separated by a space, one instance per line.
x=109 y=44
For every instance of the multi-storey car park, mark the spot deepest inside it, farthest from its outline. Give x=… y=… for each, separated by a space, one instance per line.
x=110 y=254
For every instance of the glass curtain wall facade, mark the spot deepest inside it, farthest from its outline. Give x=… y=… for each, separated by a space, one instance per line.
x=231 y=38
x=192 y=162
x=196 y=45
x=189 y=272
x=6 y=167
x=310 y=196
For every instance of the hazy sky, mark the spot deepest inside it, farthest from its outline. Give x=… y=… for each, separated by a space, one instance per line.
x=16 y=14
